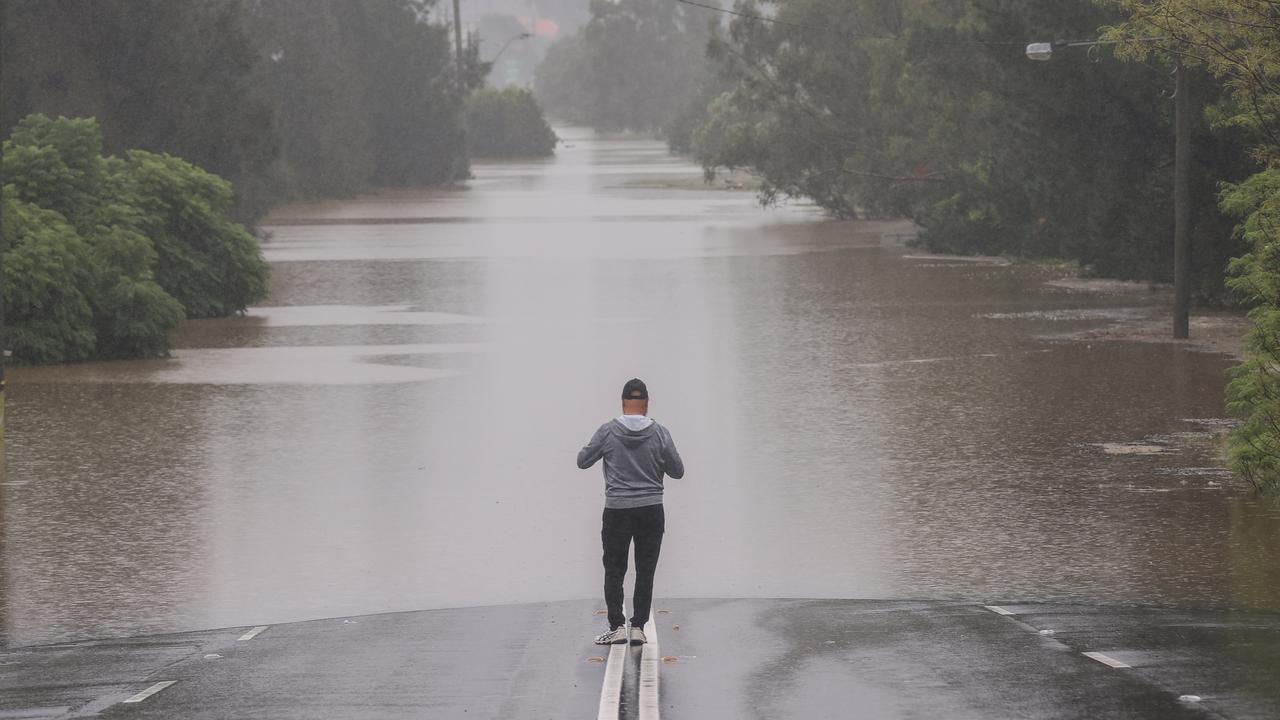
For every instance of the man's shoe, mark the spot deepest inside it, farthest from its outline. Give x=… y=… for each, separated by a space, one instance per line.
x=637 y=636
x=616 y=636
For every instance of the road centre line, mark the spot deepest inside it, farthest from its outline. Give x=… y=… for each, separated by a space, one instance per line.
x=253 y=633
x=611 y=691
x=150 y=691
x=1105 y=660
x=997 y=609
x=649 y=664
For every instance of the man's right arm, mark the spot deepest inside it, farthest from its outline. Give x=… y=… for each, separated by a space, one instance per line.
x=593 y=450
x=672 y=464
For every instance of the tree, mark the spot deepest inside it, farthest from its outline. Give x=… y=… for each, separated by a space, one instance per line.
x=209 y=264
x=633 y=66
x=366 y=93
x=48 y=318
x=508 y=123
x=104 y=256
x=930 y=111
x=1238 y=41
x=160 y=75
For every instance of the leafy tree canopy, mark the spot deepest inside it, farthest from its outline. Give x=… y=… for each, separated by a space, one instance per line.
x=508 y=123
x=104 y=256
x=633 y=66
x=930 y=111
x=1238 y=41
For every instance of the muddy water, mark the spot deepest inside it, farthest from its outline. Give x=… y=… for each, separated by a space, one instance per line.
x=396 y=427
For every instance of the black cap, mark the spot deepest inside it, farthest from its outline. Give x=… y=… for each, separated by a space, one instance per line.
x=635 y=390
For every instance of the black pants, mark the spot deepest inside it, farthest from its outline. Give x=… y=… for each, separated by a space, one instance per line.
x=618 y=527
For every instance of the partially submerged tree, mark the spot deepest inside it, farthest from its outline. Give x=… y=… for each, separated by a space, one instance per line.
x=1238 y=41
x=104 y=256
x=507 y=123
x=931 y=111
x=633 y=65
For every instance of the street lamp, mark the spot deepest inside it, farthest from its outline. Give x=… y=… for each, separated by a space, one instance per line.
x=1181 y=182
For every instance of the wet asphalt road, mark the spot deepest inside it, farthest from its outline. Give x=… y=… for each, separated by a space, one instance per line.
x=720 y=659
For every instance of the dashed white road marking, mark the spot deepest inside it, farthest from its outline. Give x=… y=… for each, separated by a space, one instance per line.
x=649 y=662
x=997 y=610
x=1105 y=660
x=611 y=691
x=150 y=691
x=253 y=633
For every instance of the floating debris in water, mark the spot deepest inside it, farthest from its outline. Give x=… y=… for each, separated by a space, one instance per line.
x=959 y=260
x=1070 y=314
x=1119 y=448
x=1197 y=472
x=1213 y=422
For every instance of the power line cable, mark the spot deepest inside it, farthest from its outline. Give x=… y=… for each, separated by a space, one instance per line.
x=776 y=21
x=868 y=36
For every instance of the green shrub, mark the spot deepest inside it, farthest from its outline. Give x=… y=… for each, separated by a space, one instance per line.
x=1253 y=394
x=47 y=272
x=507 y=123
x=212 y=266
x=104 y=256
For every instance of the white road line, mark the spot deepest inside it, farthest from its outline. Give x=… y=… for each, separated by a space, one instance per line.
x=997 y=610
x=150 y=691
x=253 y=633
x=611 y=691
x=1105 y=660
x=649 y=661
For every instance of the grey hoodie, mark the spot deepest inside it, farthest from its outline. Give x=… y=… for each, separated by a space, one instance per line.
x=634 y=462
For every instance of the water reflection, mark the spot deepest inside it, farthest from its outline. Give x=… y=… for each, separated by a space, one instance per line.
x=394 y=431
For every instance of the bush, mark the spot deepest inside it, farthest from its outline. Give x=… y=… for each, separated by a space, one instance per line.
x=104 y=256
x=508 y=123
x=1253 y=394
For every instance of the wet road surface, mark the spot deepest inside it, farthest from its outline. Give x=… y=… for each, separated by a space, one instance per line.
x=765 y=659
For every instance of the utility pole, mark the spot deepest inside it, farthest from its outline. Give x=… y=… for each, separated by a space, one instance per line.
x=457 y=41
x=1181 y=180
x=1181 y=204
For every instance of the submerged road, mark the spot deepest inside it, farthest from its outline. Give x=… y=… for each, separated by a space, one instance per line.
x=714 y=659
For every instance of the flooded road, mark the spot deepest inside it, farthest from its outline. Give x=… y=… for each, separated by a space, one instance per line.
x=396 y=429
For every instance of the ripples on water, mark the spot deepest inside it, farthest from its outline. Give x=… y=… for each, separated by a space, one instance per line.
x=396 y=429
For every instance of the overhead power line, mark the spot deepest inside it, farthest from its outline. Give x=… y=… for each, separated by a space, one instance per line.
x=869 y=36
x=776 y=21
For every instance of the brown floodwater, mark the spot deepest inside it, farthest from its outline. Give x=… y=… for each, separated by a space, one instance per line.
x=396 y=427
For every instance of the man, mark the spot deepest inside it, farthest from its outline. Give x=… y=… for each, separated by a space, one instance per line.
x=637 y=452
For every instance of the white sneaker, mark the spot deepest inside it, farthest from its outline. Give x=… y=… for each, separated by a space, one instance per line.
x=616 y=636
x=637 y=636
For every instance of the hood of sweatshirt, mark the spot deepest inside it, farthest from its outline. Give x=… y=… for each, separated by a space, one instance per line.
x=633 y=430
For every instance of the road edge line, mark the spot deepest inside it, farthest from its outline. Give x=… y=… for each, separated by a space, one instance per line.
x=649 y=665
x=150 y=691
x=1106 y=659
x=611 y=689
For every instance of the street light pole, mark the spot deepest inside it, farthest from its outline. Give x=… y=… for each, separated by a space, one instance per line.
x=1181 y=204
x=1181 y=181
